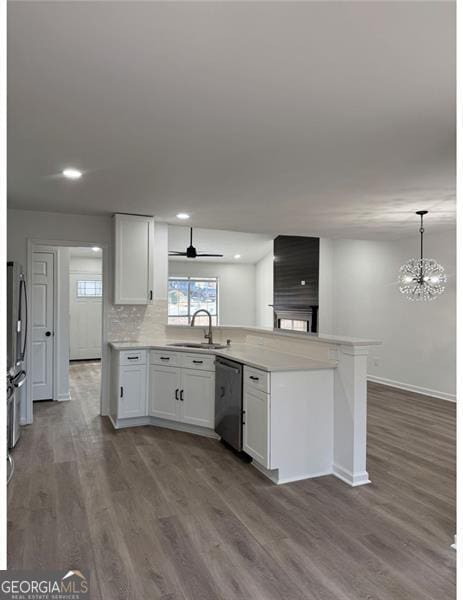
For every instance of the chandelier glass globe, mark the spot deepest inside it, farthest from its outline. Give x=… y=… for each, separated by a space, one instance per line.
x=421 y=278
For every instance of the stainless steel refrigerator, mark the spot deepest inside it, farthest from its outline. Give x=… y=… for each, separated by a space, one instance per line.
x=16 y=346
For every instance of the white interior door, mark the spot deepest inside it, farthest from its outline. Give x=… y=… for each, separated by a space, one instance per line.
x=85 y=296
x=42 y=325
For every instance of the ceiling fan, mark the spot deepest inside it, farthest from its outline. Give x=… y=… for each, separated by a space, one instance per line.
x=191 y=250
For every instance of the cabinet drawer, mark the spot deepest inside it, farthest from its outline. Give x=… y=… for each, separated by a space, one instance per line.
x=256 y=379
x=161 y=357
x=202 y=362
x=132 y=357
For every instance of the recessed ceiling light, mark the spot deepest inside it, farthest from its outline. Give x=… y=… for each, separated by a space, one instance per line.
x=96 y=249
x=183 y=216
x=237 y=255
x=72 y=173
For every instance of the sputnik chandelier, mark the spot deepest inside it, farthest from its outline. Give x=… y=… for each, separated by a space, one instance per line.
x=421 y=278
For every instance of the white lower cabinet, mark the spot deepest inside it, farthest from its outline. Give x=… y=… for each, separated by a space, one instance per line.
x=132 y=391
x=182 y=394
x=256 y=431
x=197 y=395
x=164 y=392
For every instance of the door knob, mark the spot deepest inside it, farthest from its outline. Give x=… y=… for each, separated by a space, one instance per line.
x=48 y=333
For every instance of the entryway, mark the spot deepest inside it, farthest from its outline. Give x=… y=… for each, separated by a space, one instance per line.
x=66 y=317
x=85 y=303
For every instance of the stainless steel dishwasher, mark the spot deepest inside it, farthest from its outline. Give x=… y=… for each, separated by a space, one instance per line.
x=229 y=402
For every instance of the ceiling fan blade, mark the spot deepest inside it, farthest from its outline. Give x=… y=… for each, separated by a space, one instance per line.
x=174 y=253
x=218 y=255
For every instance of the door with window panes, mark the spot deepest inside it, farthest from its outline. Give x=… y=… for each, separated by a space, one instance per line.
x=186 y=295
x=85 y=306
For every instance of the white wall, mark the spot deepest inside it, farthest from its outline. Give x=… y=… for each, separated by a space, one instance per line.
x=237 y=291
x=83 y=264
x=419 y=340
x=264 y=291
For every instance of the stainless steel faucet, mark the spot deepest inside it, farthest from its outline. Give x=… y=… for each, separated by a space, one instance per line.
x=208 y=336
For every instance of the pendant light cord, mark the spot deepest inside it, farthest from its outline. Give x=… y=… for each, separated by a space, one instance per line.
x=421 y=213
x=421 y=232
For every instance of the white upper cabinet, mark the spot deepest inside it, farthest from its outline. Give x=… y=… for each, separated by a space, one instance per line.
x=133 y=259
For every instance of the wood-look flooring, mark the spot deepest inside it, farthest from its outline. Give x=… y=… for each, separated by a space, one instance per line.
x=157 y=514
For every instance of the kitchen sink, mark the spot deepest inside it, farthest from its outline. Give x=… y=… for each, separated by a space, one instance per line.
x=198 y=345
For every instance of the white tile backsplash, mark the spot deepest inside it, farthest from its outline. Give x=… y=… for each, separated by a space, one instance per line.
x=132 y=323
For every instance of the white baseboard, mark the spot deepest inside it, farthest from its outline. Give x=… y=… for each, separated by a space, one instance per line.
x=132 y=422
x=275 y=474
x=303 y=476
x=184 y=427
x=63 y=397
x=270 y=474
x=352 y=479
x=413 y=388
x=154 y=421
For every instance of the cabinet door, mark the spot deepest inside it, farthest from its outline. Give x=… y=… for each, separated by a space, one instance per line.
x=132 y=391
x=133 y=266
x=164 y=395
x=256 y=406
x=198 y=393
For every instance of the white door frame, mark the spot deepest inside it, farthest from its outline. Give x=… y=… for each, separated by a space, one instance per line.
x=32 y=244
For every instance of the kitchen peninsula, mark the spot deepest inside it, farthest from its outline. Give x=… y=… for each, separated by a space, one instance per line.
x=304 y=395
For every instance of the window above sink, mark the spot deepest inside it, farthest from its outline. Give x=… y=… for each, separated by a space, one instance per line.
x=186 y=295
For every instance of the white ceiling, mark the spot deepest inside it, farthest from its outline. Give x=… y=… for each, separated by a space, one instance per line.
x=250 y=246
x=310 y=118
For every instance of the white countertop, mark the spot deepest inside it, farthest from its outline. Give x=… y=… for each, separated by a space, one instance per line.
x=253 y=356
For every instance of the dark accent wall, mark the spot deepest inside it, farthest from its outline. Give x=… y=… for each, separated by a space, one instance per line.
x=296 y=260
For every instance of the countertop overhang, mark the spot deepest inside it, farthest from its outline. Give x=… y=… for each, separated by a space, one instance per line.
x=247 y=354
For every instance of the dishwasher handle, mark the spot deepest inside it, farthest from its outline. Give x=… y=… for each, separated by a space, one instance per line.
x=219 y=363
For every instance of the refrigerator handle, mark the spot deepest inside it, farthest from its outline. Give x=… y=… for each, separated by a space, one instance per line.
x=23 y=290
x=19 y=379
